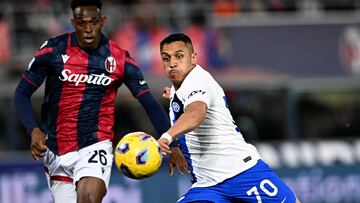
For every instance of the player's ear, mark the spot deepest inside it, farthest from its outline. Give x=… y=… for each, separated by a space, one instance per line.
x=193 y=58
x=73 y=22
x=103 y=20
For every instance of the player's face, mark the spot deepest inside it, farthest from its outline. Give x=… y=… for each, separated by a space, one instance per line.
x=88 y=24
x=178 y=60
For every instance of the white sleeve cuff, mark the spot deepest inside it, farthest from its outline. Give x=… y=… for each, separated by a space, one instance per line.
x=167 y=136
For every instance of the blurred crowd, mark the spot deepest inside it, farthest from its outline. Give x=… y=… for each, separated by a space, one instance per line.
x=138 y=25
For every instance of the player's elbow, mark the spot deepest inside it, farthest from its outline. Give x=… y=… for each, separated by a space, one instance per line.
x=19 y=97
x=197 y=117
x=196 y=113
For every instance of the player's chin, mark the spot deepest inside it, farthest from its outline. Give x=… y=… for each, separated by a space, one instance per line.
x=174 y=79
x=89 y=43
x=90 y=46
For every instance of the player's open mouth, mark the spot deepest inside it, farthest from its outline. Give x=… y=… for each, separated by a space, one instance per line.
x=89 y=40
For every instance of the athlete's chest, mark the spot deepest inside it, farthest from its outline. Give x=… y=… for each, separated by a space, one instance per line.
x=177 y=106
x=76 y=67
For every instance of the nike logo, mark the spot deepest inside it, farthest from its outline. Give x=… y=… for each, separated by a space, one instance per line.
x=65 y=58
x=283 y=200
x=142 y=82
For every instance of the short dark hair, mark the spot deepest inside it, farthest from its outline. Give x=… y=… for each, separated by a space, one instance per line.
x=77 y=3
x=177 y=37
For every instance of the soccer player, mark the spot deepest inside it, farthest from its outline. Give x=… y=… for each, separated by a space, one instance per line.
x=83 y=70
x=223 y=166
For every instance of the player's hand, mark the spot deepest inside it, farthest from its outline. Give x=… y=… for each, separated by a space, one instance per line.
x=38 y=147
x=164 y=146
x=177 y=159
x=166 y=93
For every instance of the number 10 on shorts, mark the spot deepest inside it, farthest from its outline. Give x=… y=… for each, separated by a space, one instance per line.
x=254 y=190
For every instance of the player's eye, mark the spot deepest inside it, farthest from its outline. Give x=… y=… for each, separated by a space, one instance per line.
x=179 y=56
x=166 y=58
x=95 y=22
x=81 y=23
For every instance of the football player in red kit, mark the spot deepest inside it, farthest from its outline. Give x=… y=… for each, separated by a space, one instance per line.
x=83 y=70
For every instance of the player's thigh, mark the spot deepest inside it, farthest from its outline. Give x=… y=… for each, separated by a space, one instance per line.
x=204 y=195
x=63 y=192
x=95 y=161
x=93 y=170
x=261 y=184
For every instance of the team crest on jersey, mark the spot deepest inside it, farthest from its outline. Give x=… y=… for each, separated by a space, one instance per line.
x=110 y=64
x=175 y=106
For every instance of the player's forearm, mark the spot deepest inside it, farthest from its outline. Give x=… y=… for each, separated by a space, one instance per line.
x=189 y=120
x=156 y=113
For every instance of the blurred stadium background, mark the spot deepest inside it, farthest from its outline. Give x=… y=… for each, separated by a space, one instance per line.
x=290 y=69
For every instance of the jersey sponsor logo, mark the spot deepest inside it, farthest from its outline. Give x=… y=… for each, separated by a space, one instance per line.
x=196 y=92
x=175 y=106
x=110 y=64
x=95 y=79
x=65 y=58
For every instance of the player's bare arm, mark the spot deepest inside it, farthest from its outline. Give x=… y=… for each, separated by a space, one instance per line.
x=192 y=117
x=38 y=146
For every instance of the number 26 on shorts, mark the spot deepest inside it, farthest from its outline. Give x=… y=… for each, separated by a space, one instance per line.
x=98 y=155
x=254 y=190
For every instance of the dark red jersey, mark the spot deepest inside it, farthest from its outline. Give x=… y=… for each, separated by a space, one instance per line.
x=80 y=90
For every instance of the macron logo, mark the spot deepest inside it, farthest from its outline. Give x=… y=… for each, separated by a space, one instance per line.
x=65 y=58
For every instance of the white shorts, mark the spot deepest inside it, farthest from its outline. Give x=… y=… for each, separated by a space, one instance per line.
x=64 y=171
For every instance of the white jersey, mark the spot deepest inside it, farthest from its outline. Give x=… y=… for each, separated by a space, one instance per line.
x=216 y=150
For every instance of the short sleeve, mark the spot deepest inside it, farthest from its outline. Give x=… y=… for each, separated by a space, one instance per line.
x=196 y=90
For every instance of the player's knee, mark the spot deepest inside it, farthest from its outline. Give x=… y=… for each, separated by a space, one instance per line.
x=85 y=197
x=90 y=190
x=89 y=197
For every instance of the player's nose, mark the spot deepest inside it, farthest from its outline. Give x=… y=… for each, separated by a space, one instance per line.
x=173 y=62
x=88 y=28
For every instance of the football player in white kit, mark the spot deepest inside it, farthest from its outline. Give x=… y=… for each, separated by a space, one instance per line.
x=225 y=168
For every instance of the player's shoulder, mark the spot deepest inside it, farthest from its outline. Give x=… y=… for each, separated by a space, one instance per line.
x=198 y=78
x=201 y=75
x=60 y=40
x=52 y=44
x=197 y=75
x=119 y=52
x=198 y=70
x=116 y=49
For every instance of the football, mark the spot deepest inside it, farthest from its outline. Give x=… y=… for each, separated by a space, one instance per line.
x=138 y=155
